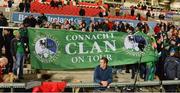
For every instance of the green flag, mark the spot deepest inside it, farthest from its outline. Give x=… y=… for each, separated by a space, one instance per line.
x=61 y=50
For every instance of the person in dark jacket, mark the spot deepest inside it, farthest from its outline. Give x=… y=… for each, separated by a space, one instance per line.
x=3 y=22
x=105 y=26
x=82 y=12
x=172 y=70
x=138 y=16
x=41 y=19
x=132 y=12
x=18 y=53
x=121 y=27
x=103 y=74
x=100 y=14
x=52 y=3
x=148 y=14
x=21 y=7
x=27 y=6
x=8 y=36
x=10 y=2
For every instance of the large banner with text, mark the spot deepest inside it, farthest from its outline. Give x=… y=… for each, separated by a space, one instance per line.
x=62 y=50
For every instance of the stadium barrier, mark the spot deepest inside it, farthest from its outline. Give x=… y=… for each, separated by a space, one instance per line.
x=32 y=84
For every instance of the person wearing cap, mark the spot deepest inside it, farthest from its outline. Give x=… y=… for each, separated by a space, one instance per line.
x=18 y=53
x=172 y=70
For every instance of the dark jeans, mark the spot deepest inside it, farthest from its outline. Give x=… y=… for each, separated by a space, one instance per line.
x=9 y=66
x=160 y=69
x=142 y=70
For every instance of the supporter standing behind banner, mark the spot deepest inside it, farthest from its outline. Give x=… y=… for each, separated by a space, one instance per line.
x=17 y=50
x=103 y=74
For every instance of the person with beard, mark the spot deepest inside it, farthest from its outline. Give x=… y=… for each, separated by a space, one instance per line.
x=7 y=38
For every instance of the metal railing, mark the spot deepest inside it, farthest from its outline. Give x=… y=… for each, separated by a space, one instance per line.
x=121 y=84
x=32 y=84
x=27 y=85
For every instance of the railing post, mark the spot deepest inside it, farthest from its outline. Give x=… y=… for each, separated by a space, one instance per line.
x=12 y=89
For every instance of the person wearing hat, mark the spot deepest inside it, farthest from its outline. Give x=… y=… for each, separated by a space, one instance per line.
x=18 y=50
x=172 y=70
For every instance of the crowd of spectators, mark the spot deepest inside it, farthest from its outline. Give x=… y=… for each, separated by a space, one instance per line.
x=82 y=25
x=166 y=36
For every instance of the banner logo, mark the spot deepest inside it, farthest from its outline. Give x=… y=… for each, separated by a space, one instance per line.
x=136 y=43
x=46 y=48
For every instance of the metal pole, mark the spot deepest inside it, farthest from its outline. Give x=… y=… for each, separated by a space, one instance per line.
x=11 y=89
x=9 y=27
